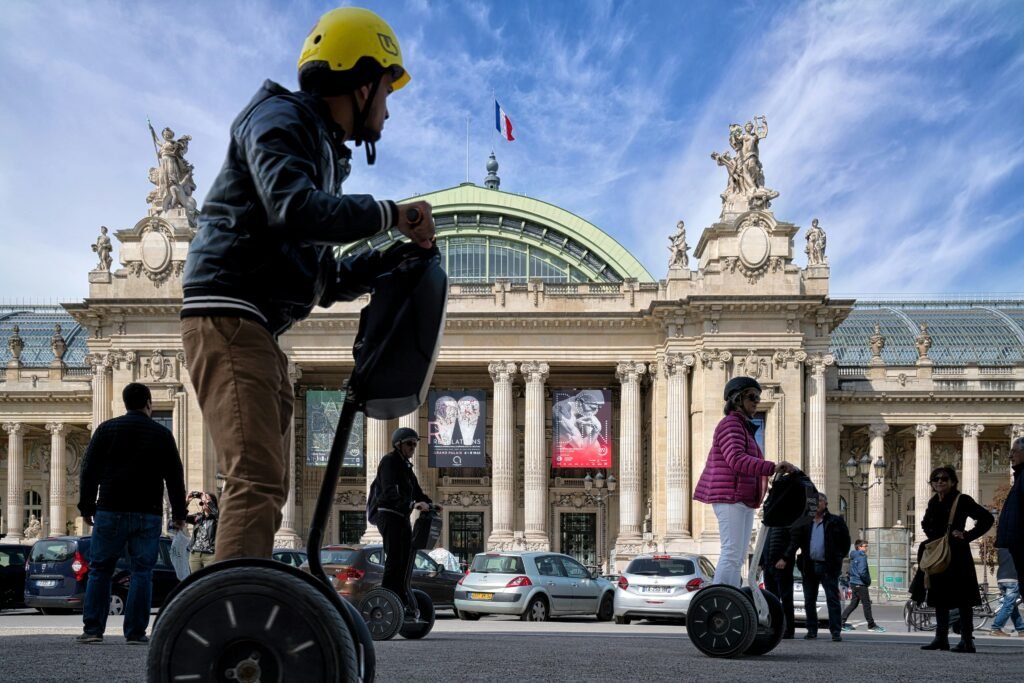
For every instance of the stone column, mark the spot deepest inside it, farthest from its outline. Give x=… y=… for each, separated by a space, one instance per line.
x=922 y=468
x=502 y=457
x=58 y=479
x=287 y=536
x=412 y=421
x=102 y=387
x=630 y=499
x=969 y=473
x=15 y=480
x=377 y=446
x=677 y=445
x=816 y=451
x=535 y=467
x=876 y=494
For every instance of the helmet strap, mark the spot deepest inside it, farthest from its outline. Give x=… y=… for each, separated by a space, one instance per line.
x=359 y=124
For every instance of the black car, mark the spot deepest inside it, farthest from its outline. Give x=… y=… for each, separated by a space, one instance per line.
x=58 y=569
x=12 y=575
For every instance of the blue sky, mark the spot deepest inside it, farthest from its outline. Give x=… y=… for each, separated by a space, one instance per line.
x=900 y=125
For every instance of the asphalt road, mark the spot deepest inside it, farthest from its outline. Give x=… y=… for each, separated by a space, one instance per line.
x=40 y=649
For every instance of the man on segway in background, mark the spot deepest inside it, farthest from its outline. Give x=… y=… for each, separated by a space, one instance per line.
x=400 y=494
x=263 y=255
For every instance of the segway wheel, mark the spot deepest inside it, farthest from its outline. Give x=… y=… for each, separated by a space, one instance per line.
x=362 y=640
x=414 y=630
x=768 y=637
x=251 y=624
x=721 y=621
x=383 y=613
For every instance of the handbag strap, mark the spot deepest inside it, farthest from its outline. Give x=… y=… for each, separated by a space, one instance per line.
x=952 y=513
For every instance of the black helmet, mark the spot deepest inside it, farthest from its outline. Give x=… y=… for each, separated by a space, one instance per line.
x=738 y=384
x=403 y=433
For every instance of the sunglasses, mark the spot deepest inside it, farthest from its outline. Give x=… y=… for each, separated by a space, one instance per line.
x=756 y=398
x=935 y=479
x=410 y=442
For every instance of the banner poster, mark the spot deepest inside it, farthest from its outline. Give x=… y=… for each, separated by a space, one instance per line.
x=456 y=426
x=323 y=408
x=581 y=429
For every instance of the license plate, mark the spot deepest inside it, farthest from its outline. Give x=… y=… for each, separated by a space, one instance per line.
x=481 y=596
x=46 y=583
x=656 y=589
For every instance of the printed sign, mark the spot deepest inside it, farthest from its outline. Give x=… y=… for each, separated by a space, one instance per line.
x=581 y=428
x=456 y=428
x=323 y=408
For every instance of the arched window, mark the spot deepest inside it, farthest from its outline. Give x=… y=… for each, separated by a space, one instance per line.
x=843 y=508
x=33 y=506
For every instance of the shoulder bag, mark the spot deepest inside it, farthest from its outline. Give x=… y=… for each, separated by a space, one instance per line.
x=937 y=554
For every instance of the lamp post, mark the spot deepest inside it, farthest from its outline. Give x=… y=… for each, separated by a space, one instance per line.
x=601 y=489
x=858 y=471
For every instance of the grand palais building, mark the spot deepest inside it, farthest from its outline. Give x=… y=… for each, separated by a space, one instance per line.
x=866 y=396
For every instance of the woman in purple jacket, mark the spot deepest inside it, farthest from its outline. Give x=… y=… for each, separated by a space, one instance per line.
x=733 y=481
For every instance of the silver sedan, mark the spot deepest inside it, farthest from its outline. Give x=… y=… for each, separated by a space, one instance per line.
x=660 y=586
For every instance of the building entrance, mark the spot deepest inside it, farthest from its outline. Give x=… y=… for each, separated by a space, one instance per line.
x=579 y=537
x=465 y=535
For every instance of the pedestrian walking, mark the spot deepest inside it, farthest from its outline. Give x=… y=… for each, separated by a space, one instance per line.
x=824 y=541
x=860 y=582
x=204 y=531
x=734 y=478
x=778 y=563
x=128 y=462
x=1009 y=589
x=956 y=587
x=264 y=255
x=1010 y=533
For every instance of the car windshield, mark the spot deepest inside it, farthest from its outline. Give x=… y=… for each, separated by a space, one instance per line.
x=497 y=564
x=52 y=551
x=343 y=556
x=661 y=566
x=11 y=558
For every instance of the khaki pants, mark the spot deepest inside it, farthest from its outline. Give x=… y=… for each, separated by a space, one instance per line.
x=241 y=380
x=197 y=561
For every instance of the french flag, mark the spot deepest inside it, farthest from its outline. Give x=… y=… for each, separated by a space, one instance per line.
x=502 y=122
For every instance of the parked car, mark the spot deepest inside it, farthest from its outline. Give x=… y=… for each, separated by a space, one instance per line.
x=289 y=556
x=660 y=586
x=799 y=611
x=532 y=585
x=12 y=575
x=58 y=569
x=356 y=569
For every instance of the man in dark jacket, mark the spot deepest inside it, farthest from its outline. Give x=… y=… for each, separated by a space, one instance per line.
x=263 y=256
x=860 y=581
x=400 y=494
x=823 y=541
x=778 y=563
x=129 y=460
x=1010 y=532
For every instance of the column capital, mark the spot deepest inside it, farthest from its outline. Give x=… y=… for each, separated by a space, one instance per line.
x=878 y=430
x=819 y=361
x=924 y=431
x=708 y=357
x=629 y=371
x=14 y=427
x=56 y=428
x=678 y=363
x=1015 y=431
x=970 y=430
x=535 y=371
x=501 y=371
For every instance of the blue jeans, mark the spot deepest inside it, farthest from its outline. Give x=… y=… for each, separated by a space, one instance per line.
x=1010 y=592
x=137 y=533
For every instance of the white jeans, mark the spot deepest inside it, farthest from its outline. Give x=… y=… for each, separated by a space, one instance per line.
x=735 y=522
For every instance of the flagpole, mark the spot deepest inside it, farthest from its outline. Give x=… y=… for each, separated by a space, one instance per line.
x=467 y=148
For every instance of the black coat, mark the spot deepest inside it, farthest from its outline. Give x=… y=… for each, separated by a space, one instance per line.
x=1010 y=533
x=777 y=547
x=837 y=541
x=399 y=488
x=958 y=585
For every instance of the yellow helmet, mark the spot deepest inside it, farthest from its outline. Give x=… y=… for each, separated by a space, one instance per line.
x=349 y=47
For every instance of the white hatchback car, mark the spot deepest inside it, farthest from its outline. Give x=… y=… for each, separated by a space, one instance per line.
x=660 y=586
x=533 y=586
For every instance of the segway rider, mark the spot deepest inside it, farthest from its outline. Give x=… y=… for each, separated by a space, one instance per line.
x=733 y=480
x=400 y=494
x=263 y=255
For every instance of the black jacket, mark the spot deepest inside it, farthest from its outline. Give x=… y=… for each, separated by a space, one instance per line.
x=958 y=585
x=837 y=541
x=129 y=459
x=399 y=488
x=777 y=547
x=275 y=211
x=1010 y=532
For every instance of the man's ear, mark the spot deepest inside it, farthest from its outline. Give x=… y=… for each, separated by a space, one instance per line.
x=361 y=94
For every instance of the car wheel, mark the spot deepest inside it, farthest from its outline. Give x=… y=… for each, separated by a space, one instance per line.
x=537 y=610
x=116 y=604
x=607 y=609
x=623 y=620
x=467 y=616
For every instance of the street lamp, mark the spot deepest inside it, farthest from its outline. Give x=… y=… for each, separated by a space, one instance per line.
x=858 y=471
x=600 y=489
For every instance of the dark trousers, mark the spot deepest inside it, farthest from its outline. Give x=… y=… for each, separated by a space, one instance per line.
x=779 y=583
x=816 y=574
x=966 y=623
x=398 y=556
x=861 y=594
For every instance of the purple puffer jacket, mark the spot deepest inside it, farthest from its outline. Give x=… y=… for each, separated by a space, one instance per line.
x=736 y=466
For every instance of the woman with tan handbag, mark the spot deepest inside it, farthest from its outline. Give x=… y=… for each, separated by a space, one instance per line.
x=957 y=585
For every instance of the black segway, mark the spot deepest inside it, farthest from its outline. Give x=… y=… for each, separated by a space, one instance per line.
x=256 y=620
x=726 y=621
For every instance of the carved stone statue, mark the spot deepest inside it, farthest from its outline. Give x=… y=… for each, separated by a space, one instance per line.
x=15 y=344
x=173 y=175
x=877 y=342
x=923 y=342
x=57 y=343
x=34 y=529
x=815 y=248
x=745 y=189
x=678 y=247
x=103 y=248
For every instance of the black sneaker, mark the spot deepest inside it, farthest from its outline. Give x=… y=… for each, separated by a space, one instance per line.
x=89 y=638
x=837 y=639
x=141 y=640
x=811 y=636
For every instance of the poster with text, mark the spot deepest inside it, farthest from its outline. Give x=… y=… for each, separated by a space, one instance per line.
x=456 y=428
x=323 y=408
x=581 y=428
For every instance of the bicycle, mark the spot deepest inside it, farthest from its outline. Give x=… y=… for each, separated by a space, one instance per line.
x=921 y=617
